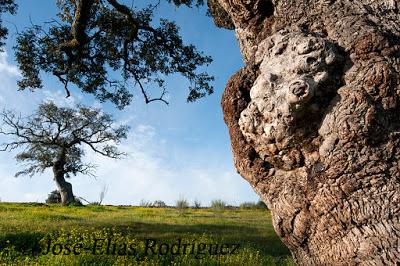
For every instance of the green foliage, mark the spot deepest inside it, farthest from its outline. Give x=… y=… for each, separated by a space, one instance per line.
x=188 y=3
x=6 y=6
x=54 y=197
x=252 y=205
x=262 y=205
x=94 y=41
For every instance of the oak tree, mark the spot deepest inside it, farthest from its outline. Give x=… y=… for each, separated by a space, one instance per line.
x=103 y=47
x=54 y=137
x=106 y=48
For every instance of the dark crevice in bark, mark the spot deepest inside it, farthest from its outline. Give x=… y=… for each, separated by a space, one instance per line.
x=266 y=8
x=337 y=205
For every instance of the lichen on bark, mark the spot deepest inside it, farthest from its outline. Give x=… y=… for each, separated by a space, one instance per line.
x=314 y=125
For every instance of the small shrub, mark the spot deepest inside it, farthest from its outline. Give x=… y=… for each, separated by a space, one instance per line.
x=197 y=204
x=262 y=205
x=54 y=197
x=145 y=203
x=159 y=204
x=182 y=205
x=218 y=205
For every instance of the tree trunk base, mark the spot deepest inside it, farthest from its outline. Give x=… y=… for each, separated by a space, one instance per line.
x=67 y=196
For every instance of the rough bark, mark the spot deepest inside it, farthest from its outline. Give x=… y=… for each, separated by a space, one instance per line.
x=64 y=187
x=314 y=123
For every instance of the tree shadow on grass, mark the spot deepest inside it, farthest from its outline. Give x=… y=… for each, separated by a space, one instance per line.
x=26 y=243
x=266 y=242
x=269 y=244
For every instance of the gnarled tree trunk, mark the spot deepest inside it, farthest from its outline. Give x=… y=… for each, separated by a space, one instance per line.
x=314 y=121
x=64 y=187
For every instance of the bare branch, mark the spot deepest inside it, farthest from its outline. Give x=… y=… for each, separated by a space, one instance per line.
x=144 y=93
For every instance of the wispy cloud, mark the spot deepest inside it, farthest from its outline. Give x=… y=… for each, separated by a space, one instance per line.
x=6 y=68
x=161 y=165
x=150 y=173
x=59 y=98
x=26 y=101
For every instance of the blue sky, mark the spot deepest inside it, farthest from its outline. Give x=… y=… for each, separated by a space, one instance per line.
x=176 y=151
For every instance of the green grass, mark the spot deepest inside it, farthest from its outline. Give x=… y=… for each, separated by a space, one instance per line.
x=24 y=228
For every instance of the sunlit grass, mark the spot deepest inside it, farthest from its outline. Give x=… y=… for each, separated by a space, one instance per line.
x=25 y=225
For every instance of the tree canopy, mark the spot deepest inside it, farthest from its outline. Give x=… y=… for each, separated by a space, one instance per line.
x=53 y=129
x=6 y=6
x=106 y=48
x=54 y=137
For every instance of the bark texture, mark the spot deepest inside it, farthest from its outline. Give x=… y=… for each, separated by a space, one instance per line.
x=64 y=187
x=314 y=121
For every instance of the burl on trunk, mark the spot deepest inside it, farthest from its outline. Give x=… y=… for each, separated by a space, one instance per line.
x=314 y=121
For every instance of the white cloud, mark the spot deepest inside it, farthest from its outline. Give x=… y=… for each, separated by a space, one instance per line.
x=6 y=68
x=22 y=188
x=59 y=98
x=149 y=173
x=157 y=168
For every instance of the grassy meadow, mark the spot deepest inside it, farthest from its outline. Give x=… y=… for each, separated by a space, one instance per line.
x=112 y=235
